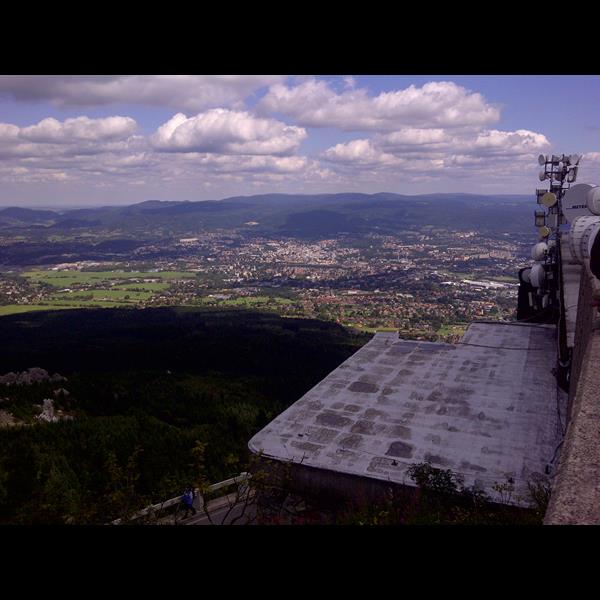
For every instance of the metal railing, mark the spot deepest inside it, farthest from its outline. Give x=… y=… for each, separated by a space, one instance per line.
x=239 y=480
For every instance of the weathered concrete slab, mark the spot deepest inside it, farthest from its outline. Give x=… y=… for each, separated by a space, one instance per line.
x=485 y=408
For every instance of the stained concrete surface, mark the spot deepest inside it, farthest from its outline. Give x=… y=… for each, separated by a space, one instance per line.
x=485 y=408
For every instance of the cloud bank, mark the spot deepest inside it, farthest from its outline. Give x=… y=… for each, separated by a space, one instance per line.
x=258 y=131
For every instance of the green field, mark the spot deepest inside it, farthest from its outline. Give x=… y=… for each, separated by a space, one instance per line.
x=445 y=330
x=70 y=278
x=11 y=309
x=109 y=295
x=368 y=329
x=253 y=301
x=129 y=289
x=142 y=286
x=112 y=289
x=246 y=301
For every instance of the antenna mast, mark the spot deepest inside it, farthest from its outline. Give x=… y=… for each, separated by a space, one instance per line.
x=561 y=171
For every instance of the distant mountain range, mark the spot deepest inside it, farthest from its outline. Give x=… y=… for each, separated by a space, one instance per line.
x=294 y=215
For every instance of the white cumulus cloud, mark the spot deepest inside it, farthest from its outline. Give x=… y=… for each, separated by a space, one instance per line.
x=227 y=132
x=79 y=129
x=359 y=152
x=80 y=135
x=441 y=104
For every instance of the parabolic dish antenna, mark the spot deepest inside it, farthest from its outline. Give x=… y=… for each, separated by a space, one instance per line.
x=537 y=275
x=582 y=234
x=542 y=175
x=593 y=200
x=541 y=160
x=572 y=174
x=548 y=199
x=539 y=251
x=544 y=231
x=575 y=201
x=526 y=275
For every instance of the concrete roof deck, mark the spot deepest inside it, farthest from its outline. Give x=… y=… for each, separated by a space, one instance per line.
x=485 y=408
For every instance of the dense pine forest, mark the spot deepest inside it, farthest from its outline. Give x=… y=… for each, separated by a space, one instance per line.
x=142 y=390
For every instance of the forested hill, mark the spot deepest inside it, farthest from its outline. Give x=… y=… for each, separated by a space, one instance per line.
x=294 y=215
x=143 y=387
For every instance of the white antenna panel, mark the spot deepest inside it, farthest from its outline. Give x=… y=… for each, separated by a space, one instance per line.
x=577 y=200
x=582 y=235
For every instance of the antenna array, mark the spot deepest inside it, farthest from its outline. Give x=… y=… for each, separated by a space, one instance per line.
x=579 y=206
x=561 y=171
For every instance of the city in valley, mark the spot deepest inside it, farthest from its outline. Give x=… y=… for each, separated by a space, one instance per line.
x=428 y=282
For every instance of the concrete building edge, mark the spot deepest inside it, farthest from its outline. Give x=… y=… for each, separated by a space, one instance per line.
x=575 y=497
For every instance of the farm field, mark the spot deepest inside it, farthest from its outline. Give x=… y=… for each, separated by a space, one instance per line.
x=70 y=278
x=13 y=309
x=57 y=290
x=94 y=289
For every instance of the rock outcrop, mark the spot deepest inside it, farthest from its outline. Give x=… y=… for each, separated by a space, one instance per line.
x=30 y=376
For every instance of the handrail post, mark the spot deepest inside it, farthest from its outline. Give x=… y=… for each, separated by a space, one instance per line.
x=198 y=502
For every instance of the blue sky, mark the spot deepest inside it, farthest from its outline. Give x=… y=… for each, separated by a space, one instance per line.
x=89 y=140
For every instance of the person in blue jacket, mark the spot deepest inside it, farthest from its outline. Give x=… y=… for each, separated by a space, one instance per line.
x=187 y=501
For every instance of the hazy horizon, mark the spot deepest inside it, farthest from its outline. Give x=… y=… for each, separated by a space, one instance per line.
x=75 y=206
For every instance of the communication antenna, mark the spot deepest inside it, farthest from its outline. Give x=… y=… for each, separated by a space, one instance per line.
x=549 y=199
x=558 y=204
x=537 y=276
x=539 y=251
x=541 y=296
x=581 y=200
x=582 y=235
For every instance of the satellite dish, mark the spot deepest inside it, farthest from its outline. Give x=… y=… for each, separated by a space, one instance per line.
x=542 y=160
x=582 y=235
x=537 y=275
x=526 y=275
x=593 y=200
x=544 y=232
x=548 y=199
x=574 y=159
x=575 y=201
x=539 y=251
x=542 y=175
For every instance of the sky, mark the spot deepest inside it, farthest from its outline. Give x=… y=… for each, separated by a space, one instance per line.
x=73 y=141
